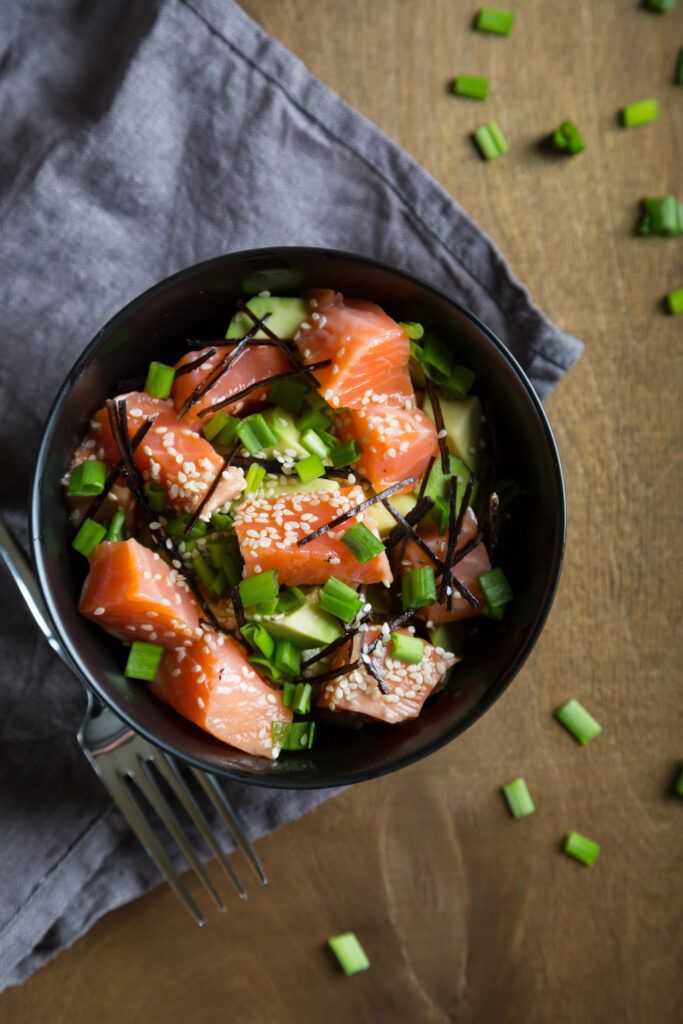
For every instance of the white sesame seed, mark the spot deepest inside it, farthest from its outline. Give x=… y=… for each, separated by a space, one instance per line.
x=99 y=611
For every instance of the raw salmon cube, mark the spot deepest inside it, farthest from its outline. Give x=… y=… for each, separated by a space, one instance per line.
x=395 y=442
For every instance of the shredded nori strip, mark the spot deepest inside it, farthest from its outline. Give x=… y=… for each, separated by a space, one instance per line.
x=194 y=364
x=400 y=620
x=333 y=646
x=115 y=473
x=118 y=418
x=454 y=530
x=439 y=423
x=422 y=508
x=257 y=385
x=492 y=524
x=333 y=673
x=372 y=669
x=291 y=353
x=356 y=510
x=425 y=480
x=238 y=606
x=211 y=491
x=203 y=342
x=215 y=375
x=422 y=544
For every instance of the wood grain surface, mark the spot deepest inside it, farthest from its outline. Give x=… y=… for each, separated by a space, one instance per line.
x=467 y=915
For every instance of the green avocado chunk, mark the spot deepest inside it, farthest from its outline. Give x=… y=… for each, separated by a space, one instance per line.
x=286 y=316
x=462 y=421
x=308 y=627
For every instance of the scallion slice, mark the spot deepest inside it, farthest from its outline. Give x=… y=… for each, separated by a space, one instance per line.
x=89 y=535
x=436 y=358
x=493 y=19
x=340 y=600
x=143 y=661
x=314 y=444
x=115 y=530
x=414 y=330
x=663 y=216
x=87 y=479
x=159 y=380
x=288 y=693
x=309 y=468
x=567 y=138
x=221 y=428
x=254 y=477
x=292 y=735
x=289 y=394
x=674 y=301
x=255 y=589
x=490 y=140
x=175 y=528
x=406 y=648
x=349 y=952
x=518 y=798
x=301 y=703
x=258 y=637
x=222 y=522
x=255 y=434
x=290 y=599
x=418 y=588
x=156 y=496
x=287 y=657
x=459 y=382
x=581 y=848
x=266 y=664
x=203 y=570
x=641 y=112
x=344 y=454
x=578 y=721
x=496 y=589
x=313 y=420
x=473 y=86
x=219 y=585
x=362 y=543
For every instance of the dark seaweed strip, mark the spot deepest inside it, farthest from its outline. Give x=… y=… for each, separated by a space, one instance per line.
x=115 y=473
x=194 y=364
x=333 y=673
x=425 y=479
x=211 y=491
x=492 y=525
x=118 y=418
x=417 y=513
x=215 y=375
x=400 y=620
x=238 y=606
x=339 y=520
x=439 y=423
x=414 y=536
x=258 y=384
x=291 y=353
x=454 y=530
x=331 y=647
x=202 y=342
x=372 y=669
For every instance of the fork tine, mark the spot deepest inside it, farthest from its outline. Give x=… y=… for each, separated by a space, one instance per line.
x=151 y=789
x=220 y=802
x=169 y=769
x=135 y=817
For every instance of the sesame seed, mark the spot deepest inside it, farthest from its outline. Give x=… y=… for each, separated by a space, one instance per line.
x=99 y=611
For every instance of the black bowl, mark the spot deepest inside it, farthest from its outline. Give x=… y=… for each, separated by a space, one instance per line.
x=197 y=302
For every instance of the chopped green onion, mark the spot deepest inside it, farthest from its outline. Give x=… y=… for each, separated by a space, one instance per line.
x=492 y=19
x=641 y=112
x=344 y=454
x=578 y=721
x=301 y=703
x=674 y=301
x=567 y=138
x=87 y=479
x=519 y=798
x=265 y=608
x=662 y=216
x=406 y=648
x=159 y=380
x=340 y=600
x=362 y=543
x=88 y=537
x=219 y=585
x=459 y=382
x=414 y=330
x=496 y=589
x=156 y=496
x=115 y=531
x=255 y=589
x=265 y=663
x=292 y=735
x=287 y=657
x=441 y=512
x=490 y=140
x=316 y=400
x=678 y=77
x=309 y=468
x=175 y=528
x=314 y=444
x=581 y=848
x=222 y=522
x=679 y=783
x=221 y=428
x=258 y=637
x=313 y=420
x=418 y=588
x=349 y=953
x=289 y=394
x=215 y=549
x=437 y=358
x=255 y=434
x=472 y=86
x=288 y=693
x=143 y=661
x=290 y=599
x=254 y=478
x=661 y=6
x=203 y=570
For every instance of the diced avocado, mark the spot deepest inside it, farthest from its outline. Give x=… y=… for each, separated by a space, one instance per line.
x=448 y=636
x=403 y=503
x=462 y=420
x=293 y=485
x=308 y=627
x=283 y=425
x=286 y=316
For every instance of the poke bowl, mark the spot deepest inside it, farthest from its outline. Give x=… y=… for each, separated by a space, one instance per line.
x=372 y=550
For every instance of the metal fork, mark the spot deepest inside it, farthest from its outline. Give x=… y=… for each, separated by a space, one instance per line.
x=132 y=770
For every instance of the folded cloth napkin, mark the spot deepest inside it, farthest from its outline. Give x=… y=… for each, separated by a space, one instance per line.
x=136 y=139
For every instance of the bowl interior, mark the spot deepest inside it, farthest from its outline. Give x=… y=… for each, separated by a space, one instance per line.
x=198 y=303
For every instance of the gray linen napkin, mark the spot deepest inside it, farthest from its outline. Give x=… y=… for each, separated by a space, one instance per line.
x=136 y=139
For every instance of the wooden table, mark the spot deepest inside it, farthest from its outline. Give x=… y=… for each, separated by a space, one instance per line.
x=469 y=916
